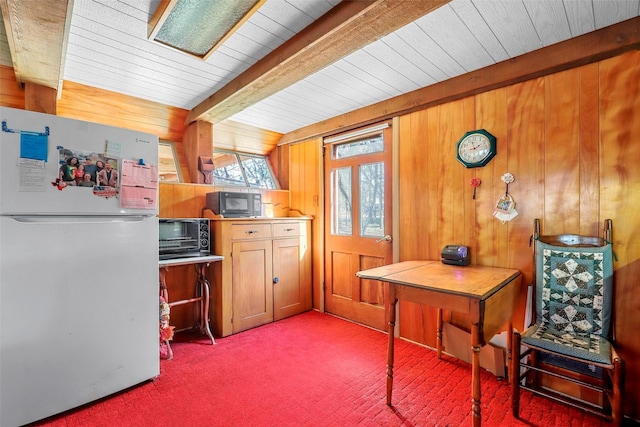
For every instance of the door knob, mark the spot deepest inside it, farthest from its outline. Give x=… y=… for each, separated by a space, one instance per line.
x=386 y=238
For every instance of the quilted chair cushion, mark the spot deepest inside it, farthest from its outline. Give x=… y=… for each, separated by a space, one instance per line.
x=593 y=348
x=573 y=301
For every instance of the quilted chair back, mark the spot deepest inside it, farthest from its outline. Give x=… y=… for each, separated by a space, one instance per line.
x=574 y=294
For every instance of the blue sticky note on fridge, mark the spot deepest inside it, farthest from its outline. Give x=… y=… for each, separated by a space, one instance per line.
x=34 y=146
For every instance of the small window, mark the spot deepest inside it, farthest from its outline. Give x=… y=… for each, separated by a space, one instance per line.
x=368 y=145
x=246 y=170
x=168 y=166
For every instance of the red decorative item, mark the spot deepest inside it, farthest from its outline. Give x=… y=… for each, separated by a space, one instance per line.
x=475 y=183
x=60 y=184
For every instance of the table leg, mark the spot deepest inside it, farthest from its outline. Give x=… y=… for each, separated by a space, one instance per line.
x=439 y=334
x=204 y=304
x=391 y=298
x=475 y=376
x=509 y=355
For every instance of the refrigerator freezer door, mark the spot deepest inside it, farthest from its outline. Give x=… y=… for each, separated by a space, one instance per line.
x=25 y=188
x=78 y=311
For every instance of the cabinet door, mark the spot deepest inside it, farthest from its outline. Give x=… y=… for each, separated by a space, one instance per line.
x=292 y=268
x=252 y=284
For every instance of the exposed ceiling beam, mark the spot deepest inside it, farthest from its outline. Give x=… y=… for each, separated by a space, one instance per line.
x=591 y=47
x=37 y=33
x=346 y=28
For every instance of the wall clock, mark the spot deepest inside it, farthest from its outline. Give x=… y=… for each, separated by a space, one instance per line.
x=476 y=148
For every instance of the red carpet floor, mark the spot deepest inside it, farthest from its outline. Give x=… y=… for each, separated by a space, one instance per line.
x=312 y=370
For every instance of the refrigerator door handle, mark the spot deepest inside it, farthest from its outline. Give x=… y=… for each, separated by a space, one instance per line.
x=71 y=219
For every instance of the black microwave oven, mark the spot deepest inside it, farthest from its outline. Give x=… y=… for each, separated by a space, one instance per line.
x=235 y=205
x=183 y=237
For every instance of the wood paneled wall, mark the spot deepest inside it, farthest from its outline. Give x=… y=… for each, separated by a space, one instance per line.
x=571 y=140
x=100 y=106
x=83 y=102
x=305 y=192
x=188 y=200
x=10 y=93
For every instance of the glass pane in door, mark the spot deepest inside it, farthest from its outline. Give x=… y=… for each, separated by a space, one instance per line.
x=356 y=148
x=372 y=199
x=341 y=202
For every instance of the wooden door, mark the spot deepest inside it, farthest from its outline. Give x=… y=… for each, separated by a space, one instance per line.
x=357 y=224
x=292 y=278
x=252 y=284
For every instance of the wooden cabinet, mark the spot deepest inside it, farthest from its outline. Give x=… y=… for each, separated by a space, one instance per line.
x=265 y=274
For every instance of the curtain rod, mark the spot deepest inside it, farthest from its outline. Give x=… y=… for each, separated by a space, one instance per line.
x=356 y=133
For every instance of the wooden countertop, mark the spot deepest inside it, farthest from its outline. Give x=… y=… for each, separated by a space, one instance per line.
x=189 y=260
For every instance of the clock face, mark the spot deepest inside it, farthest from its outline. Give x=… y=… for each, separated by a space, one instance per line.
x=476 y=148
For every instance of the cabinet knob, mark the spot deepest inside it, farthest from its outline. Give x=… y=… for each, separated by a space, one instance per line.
x=251 y=231
x=276 y=280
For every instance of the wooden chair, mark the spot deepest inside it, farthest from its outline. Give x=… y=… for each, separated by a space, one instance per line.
x=567 y=353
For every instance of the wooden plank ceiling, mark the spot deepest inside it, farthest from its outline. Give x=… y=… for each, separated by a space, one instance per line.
x=293 y=63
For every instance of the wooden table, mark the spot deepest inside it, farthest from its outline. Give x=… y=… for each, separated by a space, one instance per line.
x=202 y=289
x=487 y=294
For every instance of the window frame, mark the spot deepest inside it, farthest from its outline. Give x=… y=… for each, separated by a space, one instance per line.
x=169 y=165
x=238 y=156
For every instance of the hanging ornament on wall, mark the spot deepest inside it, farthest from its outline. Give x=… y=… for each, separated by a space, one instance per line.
x=475 y=183
x=505 y=209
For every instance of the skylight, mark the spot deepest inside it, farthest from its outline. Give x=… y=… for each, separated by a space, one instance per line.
x=198 y=27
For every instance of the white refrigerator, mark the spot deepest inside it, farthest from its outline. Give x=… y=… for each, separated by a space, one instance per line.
x=78 y=263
